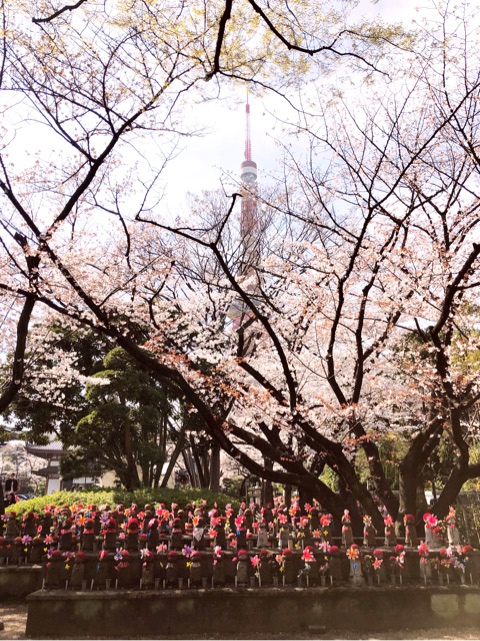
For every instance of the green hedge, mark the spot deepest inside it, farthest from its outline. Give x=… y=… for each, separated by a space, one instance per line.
x=113 y=497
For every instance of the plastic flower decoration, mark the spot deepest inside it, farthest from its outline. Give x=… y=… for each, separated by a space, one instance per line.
x=124 y=561
x=423 y=552
x=353 y=552
x=378 y=559
x=280 y=560
x=388 y=520
x=255 y=560
x=307 y=555
x=430 y=520
x=326 y=520
x=324 y=546
x=451 y=518
x=146 y=555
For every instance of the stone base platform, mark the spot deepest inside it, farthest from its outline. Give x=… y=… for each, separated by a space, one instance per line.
x=20 y=581
x=246 y=613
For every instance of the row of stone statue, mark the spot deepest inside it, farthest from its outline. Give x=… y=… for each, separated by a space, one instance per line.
x=310 y=567
x=91 y=529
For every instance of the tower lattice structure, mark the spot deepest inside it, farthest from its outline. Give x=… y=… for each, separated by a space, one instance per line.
x=249 y=221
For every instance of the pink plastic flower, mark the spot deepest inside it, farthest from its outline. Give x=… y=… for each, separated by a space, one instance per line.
x=255 y=561
x=308 y=556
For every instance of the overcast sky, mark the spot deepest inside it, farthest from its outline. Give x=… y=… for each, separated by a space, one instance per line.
x=204 y=161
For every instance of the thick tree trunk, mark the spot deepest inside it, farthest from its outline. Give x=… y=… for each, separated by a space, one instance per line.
x=174 y=457
x=288 y=495
x=306 y=496
x=215 y=468
x=267 y=487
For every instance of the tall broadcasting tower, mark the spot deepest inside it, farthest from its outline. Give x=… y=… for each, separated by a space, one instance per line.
x=249 y=228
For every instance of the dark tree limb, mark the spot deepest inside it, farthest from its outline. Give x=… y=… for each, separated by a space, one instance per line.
x=67 y=7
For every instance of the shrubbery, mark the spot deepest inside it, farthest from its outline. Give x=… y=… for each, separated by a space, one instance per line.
x=113 y=497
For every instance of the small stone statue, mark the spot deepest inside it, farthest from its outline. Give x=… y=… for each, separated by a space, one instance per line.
x=17 y=551
x=153 y=535
x=243 y=568
x=147 y=569
x=77 y=580
x=452 y=530
x=288 y=567
x=411 y=539
x=390 y=538
x=104 y=569
x=176 y=537
x=326 y=527
x=54 y=570
x=12 y=530
x=283 y=536
x=219 y=528
x=123 y=573
x=369 y=532
x=262 y=538
x=314 y=518
x=38 y=550
x=66 y=536
x=248 y=519
x=355 y=557
x=335 y=564
x=110 y=536
x=171 y=569
x=132 y=534
x=218 y=567
x=198 y=536
x=88 y=539
x=29 y=525
x=265 y=568
x=47 y=523
x=241 y=537
x=195 y=569
x=347 y=534
x=430 y=521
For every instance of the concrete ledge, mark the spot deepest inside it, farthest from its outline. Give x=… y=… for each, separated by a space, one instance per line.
x=20 y=581
x=237 y=613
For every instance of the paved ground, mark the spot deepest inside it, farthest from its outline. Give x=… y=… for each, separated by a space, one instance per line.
x=14 y=618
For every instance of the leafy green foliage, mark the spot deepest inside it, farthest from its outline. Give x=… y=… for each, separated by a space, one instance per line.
x=125 y=429
x=40 y=412
x=113 y=497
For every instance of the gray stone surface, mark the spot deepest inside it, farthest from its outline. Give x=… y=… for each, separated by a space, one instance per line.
x=254 y=612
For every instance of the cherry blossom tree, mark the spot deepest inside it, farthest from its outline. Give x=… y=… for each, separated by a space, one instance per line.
x=371 y=238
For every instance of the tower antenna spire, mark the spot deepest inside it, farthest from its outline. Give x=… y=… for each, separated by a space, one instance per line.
x=248 y=141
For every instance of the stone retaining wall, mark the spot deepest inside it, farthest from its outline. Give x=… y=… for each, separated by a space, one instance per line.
x=245 y=613
x=20 y=581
